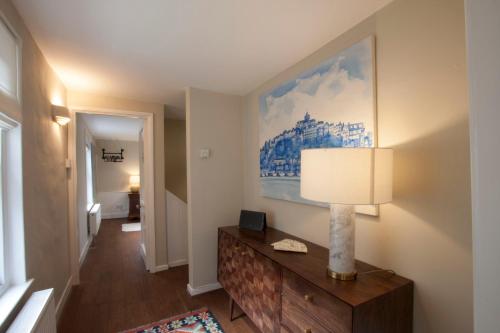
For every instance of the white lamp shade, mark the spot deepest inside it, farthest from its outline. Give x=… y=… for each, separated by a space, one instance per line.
x=351 y=176
x=135 y=180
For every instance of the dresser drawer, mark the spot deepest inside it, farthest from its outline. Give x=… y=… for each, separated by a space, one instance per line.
x=295 y=320
x=314 y=303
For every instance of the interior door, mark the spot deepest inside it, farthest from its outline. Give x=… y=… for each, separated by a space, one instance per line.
x=141 y=195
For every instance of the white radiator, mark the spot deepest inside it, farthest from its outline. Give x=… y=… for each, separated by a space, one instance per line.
x=38 y=315
x=95 y=219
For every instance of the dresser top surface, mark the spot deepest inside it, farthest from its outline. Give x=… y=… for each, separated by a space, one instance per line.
x=312 y=267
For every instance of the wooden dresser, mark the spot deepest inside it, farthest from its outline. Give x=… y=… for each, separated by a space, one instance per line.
x=291 y=292
x=134 y=213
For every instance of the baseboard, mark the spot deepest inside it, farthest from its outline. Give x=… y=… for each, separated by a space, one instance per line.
x=203 y=289
x=175 y=263
x=64 y=298
x=83 y=255
x=160 y=268
x=119 y=215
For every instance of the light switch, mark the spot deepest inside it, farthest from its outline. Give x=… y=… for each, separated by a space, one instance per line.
x=68 y=163
x=204 y=153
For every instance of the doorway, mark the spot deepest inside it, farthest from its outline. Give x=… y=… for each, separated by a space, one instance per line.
x=136 y=181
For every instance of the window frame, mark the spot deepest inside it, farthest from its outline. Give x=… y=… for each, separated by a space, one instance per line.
x=9 y=103
x=4 y=283
x=6 y=278
x=13 y=253
x=89 y=174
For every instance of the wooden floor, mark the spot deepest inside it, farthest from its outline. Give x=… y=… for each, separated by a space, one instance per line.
x=117 y=293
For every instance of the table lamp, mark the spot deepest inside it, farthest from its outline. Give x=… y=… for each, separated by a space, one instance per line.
x=135 y=183
x=344 y=177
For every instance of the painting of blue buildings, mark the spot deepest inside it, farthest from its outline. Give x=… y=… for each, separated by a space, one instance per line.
x=331 y=105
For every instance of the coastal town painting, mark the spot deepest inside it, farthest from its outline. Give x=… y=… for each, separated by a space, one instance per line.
x=330 y=105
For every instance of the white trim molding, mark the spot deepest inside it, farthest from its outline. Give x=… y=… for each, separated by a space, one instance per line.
x=142 y=249
x=180 y=262
x=203 y=289
x=160 y=268
x=85 y=250
x=10 y=300
x=119 y=215
x=64 y=297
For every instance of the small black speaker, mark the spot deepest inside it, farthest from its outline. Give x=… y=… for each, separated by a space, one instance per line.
x=253 y=220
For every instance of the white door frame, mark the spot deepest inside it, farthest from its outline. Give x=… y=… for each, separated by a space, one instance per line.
x=148 y=185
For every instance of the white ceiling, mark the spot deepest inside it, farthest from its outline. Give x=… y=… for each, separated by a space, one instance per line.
x=151 y=50
x=113 y=128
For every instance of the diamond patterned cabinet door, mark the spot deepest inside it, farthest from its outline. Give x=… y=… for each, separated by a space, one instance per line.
x=229 y=275
x=252 y=280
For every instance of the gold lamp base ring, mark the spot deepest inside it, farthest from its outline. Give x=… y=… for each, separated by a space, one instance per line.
x=342 y=276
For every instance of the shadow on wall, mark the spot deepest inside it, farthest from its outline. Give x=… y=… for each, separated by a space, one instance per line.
x=424 y=169
x=432 y=183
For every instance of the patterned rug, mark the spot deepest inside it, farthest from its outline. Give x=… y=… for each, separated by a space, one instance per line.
x=200 y=321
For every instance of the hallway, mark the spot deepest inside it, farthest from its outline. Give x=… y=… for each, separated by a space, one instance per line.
x=117 y=293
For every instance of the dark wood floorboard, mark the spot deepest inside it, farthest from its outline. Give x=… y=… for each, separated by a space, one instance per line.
x=117 y=293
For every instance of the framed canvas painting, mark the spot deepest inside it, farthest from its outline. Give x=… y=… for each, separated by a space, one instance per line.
x=330 y=105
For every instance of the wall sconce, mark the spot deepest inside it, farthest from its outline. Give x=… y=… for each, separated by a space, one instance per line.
x=60 y=114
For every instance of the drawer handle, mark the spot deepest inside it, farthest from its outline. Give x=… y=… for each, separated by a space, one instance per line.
x=308 y=297
x=237 y=248
x=308 y=330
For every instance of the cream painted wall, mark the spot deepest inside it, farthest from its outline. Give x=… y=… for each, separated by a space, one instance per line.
x=483 y=50
x=215 y=189
x=425 y=233
x=175 y=157
x=113 y=179
x=44 y=172
x=90 y=102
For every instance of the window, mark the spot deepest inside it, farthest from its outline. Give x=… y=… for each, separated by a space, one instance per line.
x=2 y=193
x=12 y=269
x=10 y=151
x=13 y=283
x=10 y=64
x=88 y=173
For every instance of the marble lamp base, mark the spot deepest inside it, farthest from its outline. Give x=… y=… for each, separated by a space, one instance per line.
x=341 y=261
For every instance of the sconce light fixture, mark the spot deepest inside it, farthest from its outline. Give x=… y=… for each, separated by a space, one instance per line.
x=60 y=114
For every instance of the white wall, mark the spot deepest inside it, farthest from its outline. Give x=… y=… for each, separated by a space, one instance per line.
x=215 y=188
x=114 y=205
x=425 y=233
x=176 y=230
x=483 y=50
x=112 y=179
x=83 y=138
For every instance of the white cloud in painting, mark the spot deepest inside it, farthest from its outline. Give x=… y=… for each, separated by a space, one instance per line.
x=333 y=94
